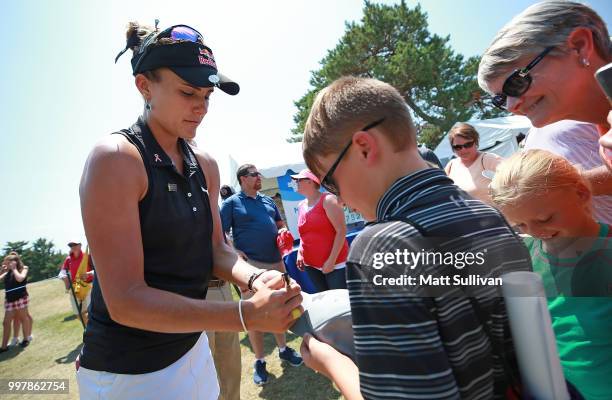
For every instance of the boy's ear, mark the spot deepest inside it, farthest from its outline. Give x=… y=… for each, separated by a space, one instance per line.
x=368 y=146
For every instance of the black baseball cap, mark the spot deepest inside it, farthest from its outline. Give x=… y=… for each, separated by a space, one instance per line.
x=186 y=55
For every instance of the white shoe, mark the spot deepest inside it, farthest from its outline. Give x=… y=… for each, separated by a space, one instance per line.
x=14 y=342
x=30 y=338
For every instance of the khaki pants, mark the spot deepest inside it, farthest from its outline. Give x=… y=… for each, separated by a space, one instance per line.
x=84 y=306
x=225 y=349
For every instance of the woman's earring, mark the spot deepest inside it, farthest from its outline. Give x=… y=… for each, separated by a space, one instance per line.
x=585 y=62
x=147 y=106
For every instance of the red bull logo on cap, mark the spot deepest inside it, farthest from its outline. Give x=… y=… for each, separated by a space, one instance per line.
x=206 y=57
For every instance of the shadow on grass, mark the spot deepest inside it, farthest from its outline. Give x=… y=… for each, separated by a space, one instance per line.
x=289 y=383
x=70 y=318
x=70 y=357
x=304 y=383
x=13 y=351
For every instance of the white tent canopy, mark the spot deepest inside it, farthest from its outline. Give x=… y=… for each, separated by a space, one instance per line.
x=497 y=135
x=271 y=160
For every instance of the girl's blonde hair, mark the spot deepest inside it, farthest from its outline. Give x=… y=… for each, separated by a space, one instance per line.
x=532 y=173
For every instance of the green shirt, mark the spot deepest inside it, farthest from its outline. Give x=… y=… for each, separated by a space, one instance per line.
x=579 y=291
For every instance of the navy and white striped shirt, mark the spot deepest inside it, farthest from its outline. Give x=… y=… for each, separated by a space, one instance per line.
x=419 y=340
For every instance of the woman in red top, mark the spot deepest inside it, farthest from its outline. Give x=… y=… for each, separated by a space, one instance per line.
x=323 y=245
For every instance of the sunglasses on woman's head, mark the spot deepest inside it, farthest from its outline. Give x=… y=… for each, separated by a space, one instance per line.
x=466 y=145
x=518 y=82
x=175 y=33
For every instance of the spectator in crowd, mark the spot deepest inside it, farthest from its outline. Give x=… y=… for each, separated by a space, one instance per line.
x=323 y=245
x=255 y=223
x=542 y=65
x=225 y=346
x=547 y=198
x=577 y=142
x=226 y=192
x=16 y=300
x=77 y=272
x=151 y=216
x=411 y=341
x=429 y=156
x=472 y=169
x=17 y=322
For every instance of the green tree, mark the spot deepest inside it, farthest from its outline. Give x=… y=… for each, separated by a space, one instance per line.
x=44 y=260
x=41 y=257
x=18 y=246
x=392 y=43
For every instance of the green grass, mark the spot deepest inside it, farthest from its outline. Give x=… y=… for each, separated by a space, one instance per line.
x=57 y=340
x=58 y=337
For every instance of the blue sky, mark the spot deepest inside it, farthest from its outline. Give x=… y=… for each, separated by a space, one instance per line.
x=61 y=91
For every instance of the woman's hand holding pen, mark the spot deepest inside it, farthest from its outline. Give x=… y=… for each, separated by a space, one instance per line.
x=275 y=304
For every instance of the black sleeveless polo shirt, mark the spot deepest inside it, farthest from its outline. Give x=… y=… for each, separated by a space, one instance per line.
x=176 y=227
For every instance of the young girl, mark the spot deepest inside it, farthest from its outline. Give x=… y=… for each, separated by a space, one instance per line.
x=548 y=199
x=15 y=275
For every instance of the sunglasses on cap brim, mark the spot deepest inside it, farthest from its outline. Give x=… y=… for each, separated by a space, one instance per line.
x=176 y=33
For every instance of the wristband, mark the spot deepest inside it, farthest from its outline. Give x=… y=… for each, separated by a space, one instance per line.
x=240 y=314
x=253 y=277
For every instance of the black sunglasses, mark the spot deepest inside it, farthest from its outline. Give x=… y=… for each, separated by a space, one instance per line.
x=466 y=145
x=328 y=182
x=252 y=174
x=518 y=82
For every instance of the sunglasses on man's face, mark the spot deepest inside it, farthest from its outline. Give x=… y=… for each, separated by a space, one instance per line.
x=253 y=174
x=328 y=182
x=518 y=82
x=467 y=145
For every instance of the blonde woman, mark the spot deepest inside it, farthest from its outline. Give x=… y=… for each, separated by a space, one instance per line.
x=472 y=169
x=548 y=199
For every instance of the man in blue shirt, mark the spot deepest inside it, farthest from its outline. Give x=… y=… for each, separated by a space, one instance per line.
x=255 y=222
